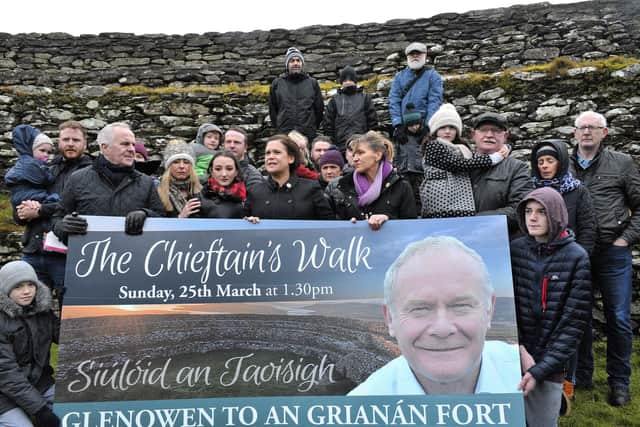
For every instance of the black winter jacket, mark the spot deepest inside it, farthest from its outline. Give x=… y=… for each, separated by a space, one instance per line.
x=61 y=170
x=396 y=199
x=298 y=198
x=214 y=205
x=551 y=335
x=614 y=183
x=348 y=114
x=90 y=192
x=295 y=103
x=407 y=157
x=498 y=190
x=26 y=334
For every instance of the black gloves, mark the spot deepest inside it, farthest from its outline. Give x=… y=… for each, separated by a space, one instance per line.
x=74 y=224
x=134 y=222
x=400 y=134
x=46 y=418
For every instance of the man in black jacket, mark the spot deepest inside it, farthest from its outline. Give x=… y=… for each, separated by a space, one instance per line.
x=614 y=183
x=236 y=140
x=349 y=111
x=295 y=100
x=37 y=217
x=111 y=186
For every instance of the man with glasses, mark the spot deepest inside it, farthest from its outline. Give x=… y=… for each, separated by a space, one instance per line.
x=614 y=183
x=499 y=189
x=418 y=84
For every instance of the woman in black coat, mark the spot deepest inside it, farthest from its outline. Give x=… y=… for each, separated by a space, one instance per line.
x=284 y=195
x=225 y=193
x=550 y=168
x=373 y=191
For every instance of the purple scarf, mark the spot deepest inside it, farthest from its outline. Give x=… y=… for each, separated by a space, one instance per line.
x=368 y=193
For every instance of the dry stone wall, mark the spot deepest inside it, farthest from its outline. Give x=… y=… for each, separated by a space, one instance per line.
x=164 y=85
x=487 y=41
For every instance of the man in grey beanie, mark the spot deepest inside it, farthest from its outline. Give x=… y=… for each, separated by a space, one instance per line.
x=295 y=99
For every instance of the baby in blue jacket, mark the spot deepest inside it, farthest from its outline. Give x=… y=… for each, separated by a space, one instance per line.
x=31 y=178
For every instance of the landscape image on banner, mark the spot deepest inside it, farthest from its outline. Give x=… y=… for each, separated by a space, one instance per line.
x=246 y=349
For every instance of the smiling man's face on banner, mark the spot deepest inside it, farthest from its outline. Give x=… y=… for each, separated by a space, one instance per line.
x=440 y=312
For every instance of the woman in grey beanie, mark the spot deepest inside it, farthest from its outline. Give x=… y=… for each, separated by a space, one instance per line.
x=27 y=328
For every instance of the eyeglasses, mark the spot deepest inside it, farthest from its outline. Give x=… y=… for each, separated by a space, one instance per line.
x=490 y=130
x=589 y=128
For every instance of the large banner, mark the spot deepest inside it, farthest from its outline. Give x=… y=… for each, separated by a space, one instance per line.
x=294 y=323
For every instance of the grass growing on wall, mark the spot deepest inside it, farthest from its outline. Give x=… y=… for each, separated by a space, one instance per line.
x=6 y=216
x=469 y=82
x=562 y=64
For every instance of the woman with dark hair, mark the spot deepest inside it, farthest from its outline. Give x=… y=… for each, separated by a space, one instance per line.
x=225 y=193
x=284 y=195
x=550 y=168
x=373 y=191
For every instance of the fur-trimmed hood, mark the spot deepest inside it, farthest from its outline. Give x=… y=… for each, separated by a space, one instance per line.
x=42 y=302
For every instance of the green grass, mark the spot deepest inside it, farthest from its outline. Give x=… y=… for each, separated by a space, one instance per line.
x=590 y=408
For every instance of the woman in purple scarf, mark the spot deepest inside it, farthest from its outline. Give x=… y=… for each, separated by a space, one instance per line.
x=373 y=191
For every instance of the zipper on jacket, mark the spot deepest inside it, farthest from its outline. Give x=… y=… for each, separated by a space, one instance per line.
x=545 y=282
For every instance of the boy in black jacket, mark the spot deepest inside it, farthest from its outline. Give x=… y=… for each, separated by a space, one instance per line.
x=552 y=287
x=27 y=328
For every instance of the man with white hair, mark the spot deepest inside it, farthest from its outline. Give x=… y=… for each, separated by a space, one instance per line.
x=111 y=187
x=614 y=183
x=438 y=304
x=418 y=84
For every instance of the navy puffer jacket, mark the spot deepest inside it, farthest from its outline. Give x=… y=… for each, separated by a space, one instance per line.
x=552 y=287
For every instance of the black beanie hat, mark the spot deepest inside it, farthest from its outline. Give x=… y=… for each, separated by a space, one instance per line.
x=348 y=73
x=547 y=150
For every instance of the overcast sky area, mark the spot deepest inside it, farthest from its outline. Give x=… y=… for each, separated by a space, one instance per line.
x=189 y=16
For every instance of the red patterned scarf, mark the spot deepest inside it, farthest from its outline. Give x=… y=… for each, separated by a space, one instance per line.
x=235 y=191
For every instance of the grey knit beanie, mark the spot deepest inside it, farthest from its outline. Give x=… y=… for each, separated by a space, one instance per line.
x=176 y=150
x=40 y=140
x=291 y=53
x=445 y=116
x=205 y=129
x=14 y=273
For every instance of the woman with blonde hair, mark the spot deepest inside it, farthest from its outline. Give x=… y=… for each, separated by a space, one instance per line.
x=373 y=191
x=179 y=186
x=305 y=168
